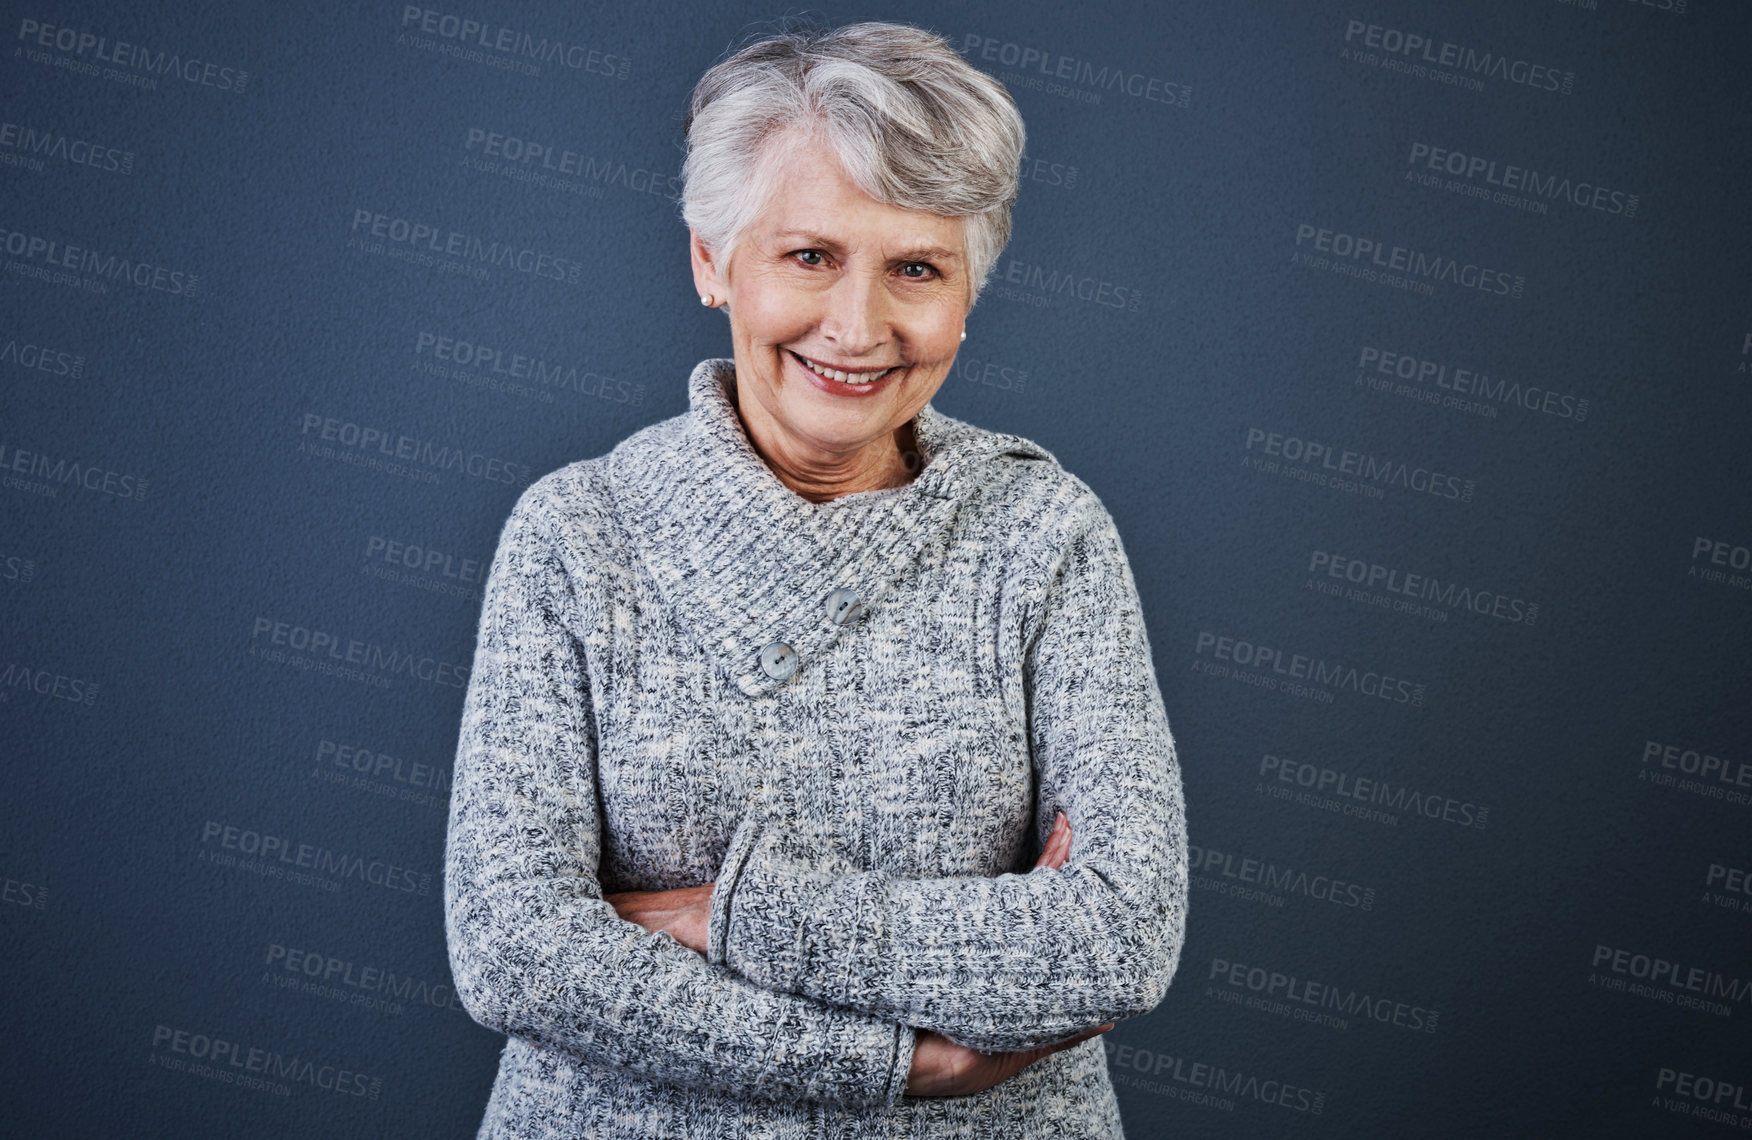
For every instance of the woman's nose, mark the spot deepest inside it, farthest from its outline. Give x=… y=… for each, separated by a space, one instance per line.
x=856 y=318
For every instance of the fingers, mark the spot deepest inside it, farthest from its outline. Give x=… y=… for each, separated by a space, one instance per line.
x=1058 y=845
x=941 y=1067
x=1029 y=1056
x=1081 y=1037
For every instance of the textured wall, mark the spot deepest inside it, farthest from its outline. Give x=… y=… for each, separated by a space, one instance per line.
x=1408 y=343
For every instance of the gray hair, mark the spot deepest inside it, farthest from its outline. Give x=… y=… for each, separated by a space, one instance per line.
x=913 y=124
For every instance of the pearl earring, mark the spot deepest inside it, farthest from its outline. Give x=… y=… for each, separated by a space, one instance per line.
x=963 y=334
x=706 y=300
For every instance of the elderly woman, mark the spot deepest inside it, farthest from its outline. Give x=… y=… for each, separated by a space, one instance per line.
x=813 y=777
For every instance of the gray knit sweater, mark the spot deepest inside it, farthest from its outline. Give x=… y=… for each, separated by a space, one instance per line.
x=672 y=686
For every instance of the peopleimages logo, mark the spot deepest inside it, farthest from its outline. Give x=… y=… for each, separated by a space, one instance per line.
x=1706 y=1098
x=1428 y=161
x=495 y=45
x=1336 y=574
x=23 y=893
x=58 y=259
x=471 y=361
x=88 y=53
x=276 y=641
x=16 y=568
x=1079 y=79
x=345 y=439
x=251 y=1066
x=1303 y=999
x=1203 y=1083
x=370 y=987
x=20 y=677
x=1388 y=263
x=1042 y=286
x=332 y=755
x=1728 y=887
x=1270 y=668
x=1239 y=875
x=1662 y=979
x=1721 y=561
x=40 y=474
x=1311 y=460
x=34 y=357
x=517 y=153
x=1468 y=389
x=1058 y=175
x=278 y=857
x=424 y=558
x=1444 y=61
x=1684 y=769
x=1363 y=797
x=991 y=373
x=1671 y=7
x=424 y=240
x=24 y=145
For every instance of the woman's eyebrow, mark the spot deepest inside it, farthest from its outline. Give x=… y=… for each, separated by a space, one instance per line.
x=809 y=237
x=928 y=253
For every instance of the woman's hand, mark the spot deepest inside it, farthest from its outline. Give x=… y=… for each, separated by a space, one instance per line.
x=1058 y=845
x=683 y=912
x=940 y=1067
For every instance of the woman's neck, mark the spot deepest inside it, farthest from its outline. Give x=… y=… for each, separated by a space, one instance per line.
x=893 y=461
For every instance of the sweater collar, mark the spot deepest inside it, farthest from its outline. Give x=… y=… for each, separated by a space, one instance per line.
x=743 y=561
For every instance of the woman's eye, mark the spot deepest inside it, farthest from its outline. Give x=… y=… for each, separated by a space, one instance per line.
x=917 y=270
x=810 y=257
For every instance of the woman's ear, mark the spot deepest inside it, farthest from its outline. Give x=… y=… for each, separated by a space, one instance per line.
x=707 y=280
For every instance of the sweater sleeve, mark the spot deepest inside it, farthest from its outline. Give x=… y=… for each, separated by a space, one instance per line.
x=1019 y=960
x=536 y=951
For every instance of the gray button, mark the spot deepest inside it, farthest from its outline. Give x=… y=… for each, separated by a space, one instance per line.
x=843 y=605
x=778 y=660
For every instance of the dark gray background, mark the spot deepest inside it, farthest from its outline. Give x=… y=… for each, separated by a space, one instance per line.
x=117 y=926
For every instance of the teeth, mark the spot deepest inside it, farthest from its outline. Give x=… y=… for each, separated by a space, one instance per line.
x=844 y=377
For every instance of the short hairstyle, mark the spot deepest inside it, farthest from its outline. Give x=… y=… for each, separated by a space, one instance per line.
x=913 y=124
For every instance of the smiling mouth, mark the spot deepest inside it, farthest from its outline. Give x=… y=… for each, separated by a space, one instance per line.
x=849 y=377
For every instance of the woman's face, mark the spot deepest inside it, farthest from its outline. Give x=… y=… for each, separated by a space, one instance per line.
x=828 y=276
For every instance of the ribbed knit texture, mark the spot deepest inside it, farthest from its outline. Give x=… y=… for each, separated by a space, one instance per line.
x=869 y=820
